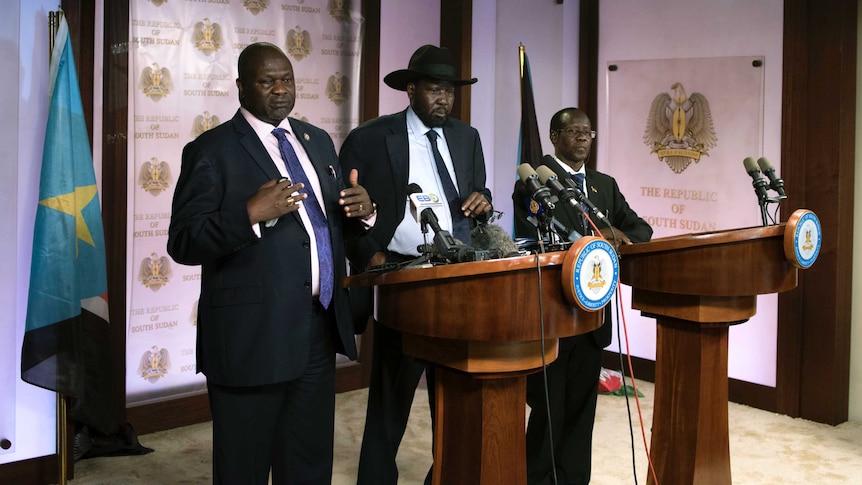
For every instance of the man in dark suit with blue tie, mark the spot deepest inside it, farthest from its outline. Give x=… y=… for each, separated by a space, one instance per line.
x=421 y=145
x=574 y=377
x=261 y=204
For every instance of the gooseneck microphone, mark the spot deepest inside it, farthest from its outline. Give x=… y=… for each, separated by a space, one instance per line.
x=538 y=192
x=775 y=183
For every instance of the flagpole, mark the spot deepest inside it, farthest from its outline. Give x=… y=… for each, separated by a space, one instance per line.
x=53 y=26
x=54 y=19
x=61 y=438
x=521 y=57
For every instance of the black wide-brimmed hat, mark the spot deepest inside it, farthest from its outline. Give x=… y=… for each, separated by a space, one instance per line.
x=427 y=62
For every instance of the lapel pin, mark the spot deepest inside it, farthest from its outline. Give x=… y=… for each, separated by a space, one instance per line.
x=305 y=135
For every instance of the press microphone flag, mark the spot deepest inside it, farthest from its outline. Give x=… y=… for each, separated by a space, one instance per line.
x=419 y=201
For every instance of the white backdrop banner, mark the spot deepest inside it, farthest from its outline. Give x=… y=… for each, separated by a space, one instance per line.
x=182 y=74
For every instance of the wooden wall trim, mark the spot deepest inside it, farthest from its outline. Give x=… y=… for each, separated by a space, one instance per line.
x=456 y=34
x=818 y=150
x=35 y=471
x=369 y=68
x=114 y=197
x=588 y=67
x=81 y=17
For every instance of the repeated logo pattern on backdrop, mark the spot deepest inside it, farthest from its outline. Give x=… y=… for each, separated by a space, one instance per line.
x=182 y=74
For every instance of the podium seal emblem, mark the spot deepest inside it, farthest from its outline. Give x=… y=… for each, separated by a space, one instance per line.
x=590 y=273
x=802 y=238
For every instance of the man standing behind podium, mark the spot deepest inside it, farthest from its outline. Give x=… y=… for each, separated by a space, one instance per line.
x=421 y=145
x=574 y=377
x=261 y=205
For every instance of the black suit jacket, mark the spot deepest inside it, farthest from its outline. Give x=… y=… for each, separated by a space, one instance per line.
x=603 y=191
x=255 y=308
x=379 y=150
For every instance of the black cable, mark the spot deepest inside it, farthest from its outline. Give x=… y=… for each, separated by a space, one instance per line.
x=775 y=214
x=544 y=364
x=625 y=391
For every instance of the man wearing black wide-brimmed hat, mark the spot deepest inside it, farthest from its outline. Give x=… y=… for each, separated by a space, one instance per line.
x=421 y=145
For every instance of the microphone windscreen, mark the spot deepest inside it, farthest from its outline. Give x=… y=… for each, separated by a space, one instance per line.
x=545 y=174
x=764 y=164
x=525 y=171
x=492 y=236
x=749 y=164
x=413 y=188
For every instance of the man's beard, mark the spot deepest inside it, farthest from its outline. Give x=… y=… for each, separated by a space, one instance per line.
x=431 y=119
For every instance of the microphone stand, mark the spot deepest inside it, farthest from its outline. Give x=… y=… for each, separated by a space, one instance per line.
x=764 y=202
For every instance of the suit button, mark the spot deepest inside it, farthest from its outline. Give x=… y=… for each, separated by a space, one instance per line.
x=307 y=284
x=306 y=244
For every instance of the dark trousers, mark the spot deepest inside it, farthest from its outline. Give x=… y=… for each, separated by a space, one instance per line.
x=286 y=427
x=572 y=392
x=394 y=377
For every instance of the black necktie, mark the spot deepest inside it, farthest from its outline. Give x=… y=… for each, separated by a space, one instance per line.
x=579 y=181
x=315 y=214
x=460 y=224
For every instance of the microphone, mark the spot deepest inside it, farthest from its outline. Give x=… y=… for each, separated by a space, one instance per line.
x=775 y=183
x=538 y=192
x=579 y=195
x=550 y=179
x=758 y=182
x=422 y=208
x=419 y=201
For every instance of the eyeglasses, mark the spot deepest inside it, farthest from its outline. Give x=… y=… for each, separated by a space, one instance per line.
x=573 y=133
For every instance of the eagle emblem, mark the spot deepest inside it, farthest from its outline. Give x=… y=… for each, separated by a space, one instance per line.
x=597 y=280
x=204 y=122
x=339 y=10
x=255 y=6
x=155 y=176
x=336 y=88
x=207 y=36
x=154 y=364
x=679 y=128
x=156 y=82
x=298 y=43
x=155 y=271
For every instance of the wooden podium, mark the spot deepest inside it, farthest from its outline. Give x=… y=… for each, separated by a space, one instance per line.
x=478 y=323
x=697 y=286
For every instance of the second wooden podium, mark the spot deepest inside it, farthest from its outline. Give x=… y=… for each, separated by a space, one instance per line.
x=697 y=286
x=478 y=323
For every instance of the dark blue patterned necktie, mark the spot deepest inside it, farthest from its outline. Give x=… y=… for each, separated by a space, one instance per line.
x=460 y=224
x=315 y=214
x=579 y=181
